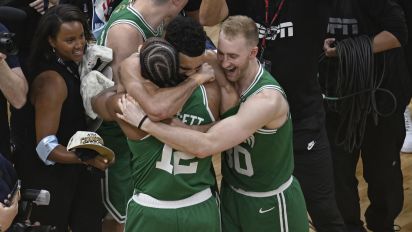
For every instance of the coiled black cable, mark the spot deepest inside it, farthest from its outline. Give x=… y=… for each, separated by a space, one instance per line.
x=357 y=84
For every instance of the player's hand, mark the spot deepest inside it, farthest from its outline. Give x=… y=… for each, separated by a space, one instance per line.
x=205 y=74
x=329 y=50
x=131 y=112
x=38 y=5
x=7 y=214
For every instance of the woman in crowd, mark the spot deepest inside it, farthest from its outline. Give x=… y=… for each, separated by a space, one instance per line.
x=54 y=113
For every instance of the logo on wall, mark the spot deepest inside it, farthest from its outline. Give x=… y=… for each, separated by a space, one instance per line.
x=282 y=30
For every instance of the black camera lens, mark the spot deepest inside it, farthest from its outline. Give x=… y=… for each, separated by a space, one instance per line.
x=7 y=45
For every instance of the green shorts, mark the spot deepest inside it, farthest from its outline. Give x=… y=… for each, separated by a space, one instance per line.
x=152 y=215
x=282 y=212
x=117 y=186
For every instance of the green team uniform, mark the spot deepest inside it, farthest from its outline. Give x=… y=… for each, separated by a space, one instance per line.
x=175 y=186
x=126 y=14
x=258 y=187
x=118 y=186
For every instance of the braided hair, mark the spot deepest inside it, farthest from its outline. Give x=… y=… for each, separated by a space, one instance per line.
x=159 y=63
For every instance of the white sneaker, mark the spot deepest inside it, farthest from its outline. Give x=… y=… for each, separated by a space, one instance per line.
x=407 y=143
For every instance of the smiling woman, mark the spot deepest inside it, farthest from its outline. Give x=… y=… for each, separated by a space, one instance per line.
x=69 y=42
x=54 y=113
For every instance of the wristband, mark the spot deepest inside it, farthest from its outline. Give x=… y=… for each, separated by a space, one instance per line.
x=142 y=121
x=45 y=147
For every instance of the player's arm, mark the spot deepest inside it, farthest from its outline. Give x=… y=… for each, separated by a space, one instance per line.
x=105 y=105
x=123 y=45
x=99 y=103
x=113 y=108
x=228 y=94
x=210 y=13
x=159 y=103
x=265 y=108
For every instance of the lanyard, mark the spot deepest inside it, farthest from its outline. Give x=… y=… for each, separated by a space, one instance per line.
x=275 y=16
x=69 y=68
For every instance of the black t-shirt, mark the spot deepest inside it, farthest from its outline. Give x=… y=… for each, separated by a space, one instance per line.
x=299 y=32
x=13 y=62
x=352 y=18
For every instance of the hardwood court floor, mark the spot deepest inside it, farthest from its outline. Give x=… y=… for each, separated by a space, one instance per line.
x=405 y=218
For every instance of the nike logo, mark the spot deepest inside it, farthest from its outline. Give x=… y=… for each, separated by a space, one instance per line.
x=311 y=144
x=265 y=211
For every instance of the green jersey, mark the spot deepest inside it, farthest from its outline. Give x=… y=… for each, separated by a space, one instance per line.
x=168 y=174
x=126 y=14
x=265 y=160
x=118 y=185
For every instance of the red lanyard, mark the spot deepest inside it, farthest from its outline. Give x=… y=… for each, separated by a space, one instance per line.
x=267 y=19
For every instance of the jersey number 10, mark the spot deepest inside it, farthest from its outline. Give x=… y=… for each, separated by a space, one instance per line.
x=235 y=155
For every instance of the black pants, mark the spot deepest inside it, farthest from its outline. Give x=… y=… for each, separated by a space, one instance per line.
x=313 y=168
x=380 y=153
x=75 y=195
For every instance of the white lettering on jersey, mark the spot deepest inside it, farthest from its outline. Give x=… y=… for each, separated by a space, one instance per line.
x=250 y=141
x=170 y=162
x=190 y=119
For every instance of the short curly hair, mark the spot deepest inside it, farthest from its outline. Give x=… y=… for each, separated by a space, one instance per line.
x=186 y=35
x=159 y=63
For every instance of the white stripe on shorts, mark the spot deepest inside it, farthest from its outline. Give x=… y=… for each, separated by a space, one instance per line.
x=148 y=201
x=281 y=188
x=285 y=212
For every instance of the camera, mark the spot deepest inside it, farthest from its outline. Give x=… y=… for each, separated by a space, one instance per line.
x=28 y=198
x=7 y=44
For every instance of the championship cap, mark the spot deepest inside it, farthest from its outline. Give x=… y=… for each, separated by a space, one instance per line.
x=90 y=140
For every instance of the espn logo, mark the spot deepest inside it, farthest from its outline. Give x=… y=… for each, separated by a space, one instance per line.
x=344 y=26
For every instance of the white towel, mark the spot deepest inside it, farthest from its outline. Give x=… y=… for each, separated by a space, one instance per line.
x=91 y=85
x=96 y=57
